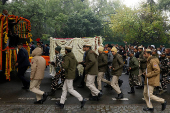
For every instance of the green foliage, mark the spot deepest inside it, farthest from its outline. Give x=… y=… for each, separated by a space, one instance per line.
x=143 y=25
x=164 y=4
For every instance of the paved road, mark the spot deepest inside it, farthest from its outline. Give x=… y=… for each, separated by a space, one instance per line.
x=13 y=98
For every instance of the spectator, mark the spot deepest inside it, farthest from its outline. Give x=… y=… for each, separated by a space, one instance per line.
x=47 y=48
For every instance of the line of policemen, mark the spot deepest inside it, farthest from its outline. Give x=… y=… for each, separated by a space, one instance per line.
x=96 y=65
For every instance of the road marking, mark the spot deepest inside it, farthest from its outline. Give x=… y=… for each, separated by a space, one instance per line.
x=28 y=71
x=55 y=98
x=26 y=98
x=120 y=99
x=123 y=73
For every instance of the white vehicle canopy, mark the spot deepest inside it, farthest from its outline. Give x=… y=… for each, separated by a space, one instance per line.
x=77 y=47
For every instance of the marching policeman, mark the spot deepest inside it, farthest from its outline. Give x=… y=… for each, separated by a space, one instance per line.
x=91 y=70
x=134 y=72
x=38 y=65
x=102 y=67
x=70 y=63
x=142 y=68
x=152 y=79
x=117 y=68
x=58 y=79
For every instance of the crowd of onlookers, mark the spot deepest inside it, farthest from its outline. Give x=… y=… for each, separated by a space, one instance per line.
x=45 y=48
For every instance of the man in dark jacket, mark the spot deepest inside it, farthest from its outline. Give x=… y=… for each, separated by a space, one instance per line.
x=70 y=63
x=102 y=67
x=91 y=70
x=22 y=64
x=117 y=68
x=47 y=50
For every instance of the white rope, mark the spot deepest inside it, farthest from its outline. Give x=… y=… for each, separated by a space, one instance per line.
x=148 y=89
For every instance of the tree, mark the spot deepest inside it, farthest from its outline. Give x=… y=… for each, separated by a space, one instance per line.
x=164 y=4
x=142 y=25
x=84 y=24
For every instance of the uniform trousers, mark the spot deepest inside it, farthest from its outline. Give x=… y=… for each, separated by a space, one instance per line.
x=68 y=86
x=35 y=88
x=152 y=97
x=141 y=71
x=114 y=83
x=90 y=79
x=100 y=78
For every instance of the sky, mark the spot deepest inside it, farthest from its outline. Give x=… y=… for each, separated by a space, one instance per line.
x=134 y=3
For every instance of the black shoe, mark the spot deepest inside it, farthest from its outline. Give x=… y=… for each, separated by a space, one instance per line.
x=61 y=106
x=94 y=98
x=38 y=102
x=83 y=103
x=132 y=91
x=80 y=86
x=25 y=87
x=120 y=96
x=45 y=95
x=99 y=95
x=164 y=105
x=148 y=109
x=120 y=82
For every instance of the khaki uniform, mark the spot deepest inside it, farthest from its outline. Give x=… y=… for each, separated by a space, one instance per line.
x=142 y=66
x=102 y=67
x=38 y=65
x=117 y=64
x=153 y=75
x=70 y=64
x=91 y=71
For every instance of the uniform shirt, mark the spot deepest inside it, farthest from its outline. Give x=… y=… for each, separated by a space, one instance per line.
x=164 y=64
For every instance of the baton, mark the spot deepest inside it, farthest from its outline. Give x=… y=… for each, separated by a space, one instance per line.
x=148 y=89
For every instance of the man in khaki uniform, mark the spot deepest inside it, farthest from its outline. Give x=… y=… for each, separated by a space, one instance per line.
x=102 y=67
x=117 y=69
x=142 y=66
x=91 y=70
x=70 y=63
x=152 y=79
x=38 y=65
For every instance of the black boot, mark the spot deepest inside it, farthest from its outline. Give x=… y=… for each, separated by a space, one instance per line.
x=38 y=102
x=83 y=103
x=120 y=96
x=61 y=106
x=132 y=91
x=148 y=109
x=99 y=95
x=164 y=105
x=45 y=95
